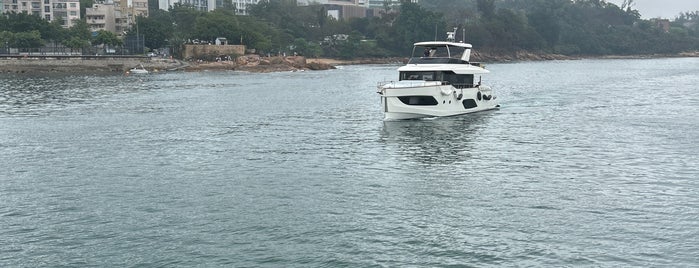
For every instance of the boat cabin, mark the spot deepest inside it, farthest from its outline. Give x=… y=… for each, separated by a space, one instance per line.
x=447 y=77
x=440 y=52
x=446 y=62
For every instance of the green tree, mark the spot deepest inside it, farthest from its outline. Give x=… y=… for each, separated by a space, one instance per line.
x=76 y=43
x=412 y=24
x=486 y=7
x=6 y=38
x=31 y=39
x=350 y=48
x=256 y=34
x=80 y=30
x=107 y=38
x=218 y=23
x=157 y=28
x=304 y=48
x=84 y=4
x=184 y=18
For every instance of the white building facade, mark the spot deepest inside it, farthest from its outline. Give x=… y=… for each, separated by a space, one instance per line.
x=241 y=6
x=115 y=16
x=202 y=5
x=67 y=10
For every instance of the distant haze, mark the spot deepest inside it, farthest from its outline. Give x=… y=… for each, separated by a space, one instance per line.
x=662 y=8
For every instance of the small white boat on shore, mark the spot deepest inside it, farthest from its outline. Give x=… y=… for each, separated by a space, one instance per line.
x=438 y=80
x=138 y=70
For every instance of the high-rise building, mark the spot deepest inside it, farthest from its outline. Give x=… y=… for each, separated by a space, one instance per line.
x=66 y=10
x=380 y=3
x=102 y=17
x=115 y=16
x=203 y=5
x=241 y=6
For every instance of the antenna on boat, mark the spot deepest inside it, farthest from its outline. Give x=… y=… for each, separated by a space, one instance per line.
x=463 y=35
x=435 y=32
x=451 y=35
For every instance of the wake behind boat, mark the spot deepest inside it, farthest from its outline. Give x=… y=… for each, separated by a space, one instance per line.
x=438 y=80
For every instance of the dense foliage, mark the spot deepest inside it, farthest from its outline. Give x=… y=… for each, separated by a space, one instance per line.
x=580 y=27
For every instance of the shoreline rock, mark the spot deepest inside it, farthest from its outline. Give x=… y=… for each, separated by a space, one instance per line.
x=258 y=64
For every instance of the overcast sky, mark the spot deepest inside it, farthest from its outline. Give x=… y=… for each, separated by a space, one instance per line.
x=668 y=9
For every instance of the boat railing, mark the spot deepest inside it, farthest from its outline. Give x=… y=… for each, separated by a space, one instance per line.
x=459 y=85
x=436 y=60
x=421 y=83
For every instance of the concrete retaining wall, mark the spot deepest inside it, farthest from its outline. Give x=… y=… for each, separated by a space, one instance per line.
x=24 y=64
x=197 y=51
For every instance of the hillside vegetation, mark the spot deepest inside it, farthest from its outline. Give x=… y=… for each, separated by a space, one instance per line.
x=581 y=27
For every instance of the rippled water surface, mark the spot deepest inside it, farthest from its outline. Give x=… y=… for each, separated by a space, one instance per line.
x=587 y=163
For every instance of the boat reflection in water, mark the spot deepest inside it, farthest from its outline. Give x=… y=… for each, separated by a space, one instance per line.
x=436 y=140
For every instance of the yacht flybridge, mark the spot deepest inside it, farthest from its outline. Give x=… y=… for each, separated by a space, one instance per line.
x=439 y=80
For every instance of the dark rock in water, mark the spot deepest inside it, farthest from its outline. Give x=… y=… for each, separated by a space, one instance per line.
x=319 y=66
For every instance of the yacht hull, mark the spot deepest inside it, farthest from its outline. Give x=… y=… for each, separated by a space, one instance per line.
x=415 y=102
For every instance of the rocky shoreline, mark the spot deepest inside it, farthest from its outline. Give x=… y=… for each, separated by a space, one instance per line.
x=256 y=63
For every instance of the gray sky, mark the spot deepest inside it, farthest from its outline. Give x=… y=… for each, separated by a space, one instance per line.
x=661 y=8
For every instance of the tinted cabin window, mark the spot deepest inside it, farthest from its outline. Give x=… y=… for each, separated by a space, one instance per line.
x=469 y=103
x=459 y=80
x=424 y=76
x=418 y=100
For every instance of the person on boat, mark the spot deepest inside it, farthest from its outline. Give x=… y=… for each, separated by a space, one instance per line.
x=426 y=53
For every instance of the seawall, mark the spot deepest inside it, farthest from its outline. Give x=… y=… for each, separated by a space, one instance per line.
x=80 y=64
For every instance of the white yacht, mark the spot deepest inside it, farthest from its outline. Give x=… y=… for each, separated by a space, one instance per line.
x=439 y=80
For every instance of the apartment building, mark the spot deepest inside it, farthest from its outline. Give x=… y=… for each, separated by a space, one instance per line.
x=342 y=8
x=67 y=10
x=346 y=9
x=115 y=16
x=202 y=5
x=133 y=7
x=102 y=17
x=241 y=6
x=209 y=5
x=380 y=3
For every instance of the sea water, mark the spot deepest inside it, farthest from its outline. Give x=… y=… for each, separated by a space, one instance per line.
x=587 y=163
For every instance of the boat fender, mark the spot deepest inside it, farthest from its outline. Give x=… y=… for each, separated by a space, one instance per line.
x=447 y=91
x=461 y=95
x=478 y=95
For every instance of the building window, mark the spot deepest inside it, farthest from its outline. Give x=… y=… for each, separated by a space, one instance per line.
x=47 y=9
x=47 y=17
x=73 y=13
x=72 y=5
